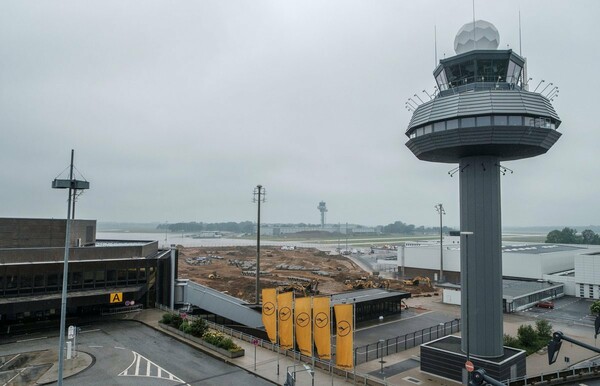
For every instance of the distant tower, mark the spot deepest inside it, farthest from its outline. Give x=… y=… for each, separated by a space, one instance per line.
x=482 y=115
x=322 y=208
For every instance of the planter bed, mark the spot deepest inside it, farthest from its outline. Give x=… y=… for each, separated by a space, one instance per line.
x=200 y=341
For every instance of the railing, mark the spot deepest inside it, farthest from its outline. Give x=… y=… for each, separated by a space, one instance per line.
x=122 y=310
x=400 y=343
x=572 y=376
x=460 y=87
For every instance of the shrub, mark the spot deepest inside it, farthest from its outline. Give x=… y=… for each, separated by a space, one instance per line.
x=198 y=327
x=167 y=318
x=595 y=307
x=219 y=340
x=543 y=329
x=185 y=326
x=527 y=335
x=176 y=321
x=511 y=341
x=212 y=337
x=227 y=344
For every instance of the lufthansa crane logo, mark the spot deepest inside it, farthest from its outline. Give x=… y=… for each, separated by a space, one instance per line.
x=321 y=320
x=343 y=328
x=268 y=308
x=285 y=314
x=302 y=320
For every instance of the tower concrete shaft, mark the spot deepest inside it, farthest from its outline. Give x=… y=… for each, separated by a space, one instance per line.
x=323 y=209
x=481 y=256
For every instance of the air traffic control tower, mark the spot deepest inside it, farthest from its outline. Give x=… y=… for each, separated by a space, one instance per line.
x=482 y=114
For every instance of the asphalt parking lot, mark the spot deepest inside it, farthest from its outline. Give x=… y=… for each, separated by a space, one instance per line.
x=568 y=310
x=129 y=353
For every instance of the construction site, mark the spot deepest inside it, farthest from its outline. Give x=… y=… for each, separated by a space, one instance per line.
x=306 y=271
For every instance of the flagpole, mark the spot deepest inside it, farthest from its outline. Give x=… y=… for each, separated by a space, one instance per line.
x=330 y=344
x=293 y=316
x=277 y=329
x=312 y=332
x=353 y=336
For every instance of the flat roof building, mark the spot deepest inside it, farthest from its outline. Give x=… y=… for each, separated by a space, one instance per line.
x=31 y=270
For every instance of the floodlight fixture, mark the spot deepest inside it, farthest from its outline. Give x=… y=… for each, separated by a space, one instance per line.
x=556 y=342
x=478 y=377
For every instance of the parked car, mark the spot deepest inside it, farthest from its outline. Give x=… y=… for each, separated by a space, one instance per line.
x=545 y=304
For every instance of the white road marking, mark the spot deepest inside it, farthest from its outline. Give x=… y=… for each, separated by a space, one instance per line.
x=11 y=359
x=95 y=346
x=120 y=348
x=18 y=373
x=86 y=331
x=132 y=371
x=29 y=340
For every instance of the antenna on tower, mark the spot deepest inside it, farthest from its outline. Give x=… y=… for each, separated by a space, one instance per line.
x=520 y=47
x=474 y=37
x=435 y=44
x=323 y=209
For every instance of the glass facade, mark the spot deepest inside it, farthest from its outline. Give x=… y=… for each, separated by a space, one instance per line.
x=26 y=280
x=503 y=68
x=484 y=121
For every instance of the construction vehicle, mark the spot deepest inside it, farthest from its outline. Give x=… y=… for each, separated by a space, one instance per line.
x=292 y=287
x=420 y=280
x=214 y=276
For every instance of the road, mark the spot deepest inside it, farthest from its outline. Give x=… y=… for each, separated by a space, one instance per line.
x=129 y=353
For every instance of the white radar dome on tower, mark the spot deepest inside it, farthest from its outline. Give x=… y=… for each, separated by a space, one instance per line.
x=485 y=37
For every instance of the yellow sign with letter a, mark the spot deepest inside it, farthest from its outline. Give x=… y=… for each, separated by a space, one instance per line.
x=116 y=297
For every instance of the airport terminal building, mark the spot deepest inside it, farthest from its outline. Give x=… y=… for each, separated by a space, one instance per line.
x=104 y=275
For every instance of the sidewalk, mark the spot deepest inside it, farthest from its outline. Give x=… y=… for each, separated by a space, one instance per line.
x=266 y=360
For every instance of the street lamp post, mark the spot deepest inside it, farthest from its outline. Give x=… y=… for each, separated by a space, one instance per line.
x=465 y=288
x=441 y=211
x=73 y=185
x=259 y=196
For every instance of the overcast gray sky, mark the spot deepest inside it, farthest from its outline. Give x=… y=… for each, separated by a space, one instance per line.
x=177 y=109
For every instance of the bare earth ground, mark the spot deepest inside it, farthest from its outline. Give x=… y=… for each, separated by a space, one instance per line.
x=303 y=263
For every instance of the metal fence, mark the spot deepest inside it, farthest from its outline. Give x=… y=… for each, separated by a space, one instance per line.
x=328 y=366
x=400 y=343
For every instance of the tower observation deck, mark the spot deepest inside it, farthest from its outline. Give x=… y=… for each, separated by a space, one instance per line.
x=481 y=115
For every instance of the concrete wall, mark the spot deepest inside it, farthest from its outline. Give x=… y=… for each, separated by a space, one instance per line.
x=428 y=257
x=587 y=269
x=33 y=233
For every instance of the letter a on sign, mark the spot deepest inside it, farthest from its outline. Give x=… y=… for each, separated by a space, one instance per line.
x=116 y=297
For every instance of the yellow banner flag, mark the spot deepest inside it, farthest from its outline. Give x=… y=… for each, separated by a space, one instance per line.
x=322 y=327
x=344 y=339
x=303 y=326
x=269 y=312
x=286 y=321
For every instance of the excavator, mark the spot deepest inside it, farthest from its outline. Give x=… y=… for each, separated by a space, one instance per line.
x=421 y=280
x=311 y=287
x=417 y=280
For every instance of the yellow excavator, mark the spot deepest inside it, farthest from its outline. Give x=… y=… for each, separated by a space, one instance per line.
x=421 y=280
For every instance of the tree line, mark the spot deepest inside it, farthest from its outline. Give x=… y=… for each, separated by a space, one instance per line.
x=570 y=236
x=235 y=227
x=397 y=227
